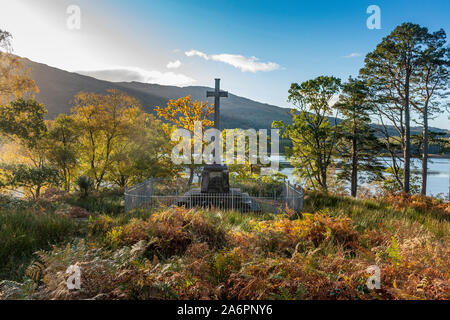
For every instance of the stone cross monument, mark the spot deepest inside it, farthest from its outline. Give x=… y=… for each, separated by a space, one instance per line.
x=217 y=94
x=215 y=177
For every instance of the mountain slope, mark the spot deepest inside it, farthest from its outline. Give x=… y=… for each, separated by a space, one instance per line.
x=58 y=88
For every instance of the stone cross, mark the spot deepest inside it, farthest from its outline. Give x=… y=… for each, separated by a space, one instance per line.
x=217 y=94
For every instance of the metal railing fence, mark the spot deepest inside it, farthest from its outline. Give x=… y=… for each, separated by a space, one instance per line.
x=158 y=193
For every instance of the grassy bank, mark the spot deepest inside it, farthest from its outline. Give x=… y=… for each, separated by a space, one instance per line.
x=370 y=213
x=196 y=254
x=24 y=232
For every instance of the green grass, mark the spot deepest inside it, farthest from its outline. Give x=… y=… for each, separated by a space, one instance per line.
x=24 y=232
x=370 y=213
x=241 y=221
x=108 y=202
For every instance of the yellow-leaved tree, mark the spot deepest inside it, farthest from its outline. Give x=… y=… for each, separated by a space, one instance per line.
x=22 y=126
x=104 y=122
x=143 y=153
x=183 y=113
x=63 y=148
x=15 y=81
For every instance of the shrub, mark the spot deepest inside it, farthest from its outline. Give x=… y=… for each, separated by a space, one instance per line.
x=286 y=235
x=103 y=203
x=223 y=263
x=403 y=201
x=172 y=231
x=85 y=184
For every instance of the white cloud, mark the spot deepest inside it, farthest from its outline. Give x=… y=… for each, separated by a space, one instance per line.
x=174 y=64
x=353 y=55
x=250 y=64
x=197 y=53
x=129 y=74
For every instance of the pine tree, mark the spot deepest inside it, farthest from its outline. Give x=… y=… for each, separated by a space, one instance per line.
x=358 y=144
x=430 y=83
x=390 y=69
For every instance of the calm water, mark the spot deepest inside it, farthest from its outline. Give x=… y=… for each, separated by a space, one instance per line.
x=438 y=174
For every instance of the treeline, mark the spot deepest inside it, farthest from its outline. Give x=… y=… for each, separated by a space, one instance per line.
x=107 y=140
x=439 y=143
x=404 y=81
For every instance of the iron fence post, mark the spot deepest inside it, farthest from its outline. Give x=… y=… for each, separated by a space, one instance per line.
x=126 y=199
x=145 y=193
x=151 y=191
x=232 y=201
x=259 y=195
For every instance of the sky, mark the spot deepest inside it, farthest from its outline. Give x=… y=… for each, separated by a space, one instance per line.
x=258 y=48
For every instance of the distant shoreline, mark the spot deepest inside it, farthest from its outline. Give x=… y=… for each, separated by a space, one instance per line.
x=434 y=156
x=439 y=156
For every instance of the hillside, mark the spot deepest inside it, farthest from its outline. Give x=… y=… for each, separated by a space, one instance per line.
x=58 y=87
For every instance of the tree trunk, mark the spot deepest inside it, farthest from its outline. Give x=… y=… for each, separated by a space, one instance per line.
x=324 y=180
x=67 y=179
x=354 y=186
x=38 y=192
x=407 y=149
x=123 y=182
x=423 y=186
x=191 y=176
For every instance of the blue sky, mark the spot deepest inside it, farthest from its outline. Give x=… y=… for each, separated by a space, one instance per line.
x=291 y=41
